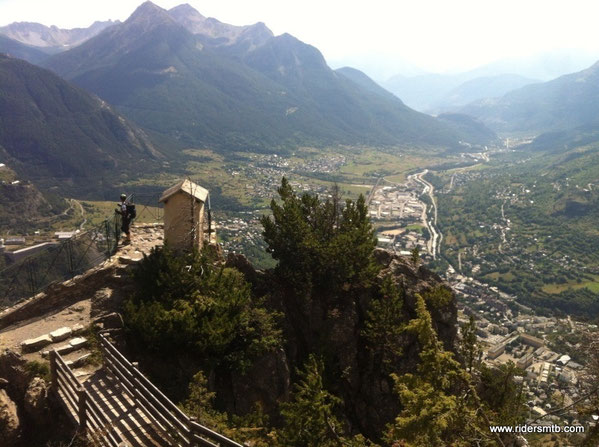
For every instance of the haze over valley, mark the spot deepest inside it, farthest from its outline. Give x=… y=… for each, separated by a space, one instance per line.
x=365 y=226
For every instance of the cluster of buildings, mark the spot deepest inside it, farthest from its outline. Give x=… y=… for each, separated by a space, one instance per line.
x=239 y=231
x=266 y=170
x=400 y=217
x=551 y=366
x=397 y=203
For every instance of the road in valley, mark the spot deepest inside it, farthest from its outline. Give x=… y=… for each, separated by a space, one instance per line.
x=434 y=243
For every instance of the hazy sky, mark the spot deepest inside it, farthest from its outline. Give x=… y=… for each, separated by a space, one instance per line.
x=380 y=36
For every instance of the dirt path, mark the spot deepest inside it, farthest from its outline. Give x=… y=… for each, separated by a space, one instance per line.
x=144 y=238
x=12 y=336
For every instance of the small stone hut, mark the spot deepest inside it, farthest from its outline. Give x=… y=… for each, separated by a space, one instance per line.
x=184 y=215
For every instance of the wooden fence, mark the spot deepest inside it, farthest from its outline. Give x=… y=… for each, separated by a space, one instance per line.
x=80 y=405
x=174 y=425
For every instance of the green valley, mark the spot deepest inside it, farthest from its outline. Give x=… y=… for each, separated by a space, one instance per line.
x=528 y=225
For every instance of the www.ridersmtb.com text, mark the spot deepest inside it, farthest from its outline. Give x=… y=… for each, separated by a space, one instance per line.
x=536 y=429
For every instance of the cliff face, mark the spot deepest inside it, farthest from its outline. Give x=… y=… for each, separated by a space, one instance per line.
x=334 y=328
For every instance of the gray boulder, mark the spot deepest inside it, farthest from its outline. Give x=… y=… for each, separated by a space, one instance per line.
x=35 y=403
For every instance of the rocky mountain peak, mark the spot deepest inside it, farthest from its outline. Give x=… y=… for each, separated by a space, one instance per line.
x=185 y=11
x=146 y=12
x=223 y=33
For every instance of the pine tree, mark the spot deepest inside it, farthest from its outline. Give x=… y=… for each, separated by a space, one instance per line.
x=309 y=416
x=470 y=349
x=310 y=419
x=439 y=404
x=320 y=246
x=385 y=325
x=415 y=256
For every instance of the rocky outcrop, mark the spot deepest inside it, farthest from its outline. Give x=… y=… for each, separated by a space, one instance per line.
x=12 y=369
x=266 y=383
x=113 y=320
x=255 y=277
x=419 y=280
x=10 y=425
x=332 y=327
x=26 y=418
x=35 y=403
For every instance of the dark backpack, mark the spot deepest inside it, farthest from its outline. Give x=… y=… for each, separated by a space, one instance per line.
x=131 y=212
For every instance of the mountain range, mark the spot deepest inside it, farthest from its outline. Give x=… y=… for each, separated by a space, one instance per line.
x=205 y=83
x=436 y=93
x=567 y=102
x=20 y=50
x=51 y=38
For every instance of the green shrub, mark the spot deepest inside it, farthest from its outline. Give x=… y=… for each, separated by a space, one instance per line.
x=185 y=305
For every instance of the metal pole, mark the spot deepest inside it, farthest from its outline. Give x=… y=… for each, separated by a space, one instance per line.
x=70 y=255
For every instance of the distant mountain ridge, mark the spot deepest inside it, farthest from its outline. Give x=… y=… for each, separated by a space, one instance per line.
x=438 y=92
x=219 y=33
x=203 y=82
x=482 y=87
x=434 y=92
x=567 y=102
x=52 y=37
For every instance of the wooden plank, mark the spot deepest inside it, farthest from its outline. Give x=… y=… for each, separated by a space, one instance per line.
x=156 y=406
x=113 y=351
x=167 y=427
x=68 y=395
x=203 y=442
x=143 y=436
x=100 y=416
x=70 y=412
x=110 y=403
x=68 y=375
x=124 y=381
x=151 y=398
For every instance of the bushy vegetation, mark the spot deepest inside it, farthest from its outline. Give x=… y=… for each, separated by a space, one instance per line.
x=185 y=305
x=310 y=419
x=320 y=246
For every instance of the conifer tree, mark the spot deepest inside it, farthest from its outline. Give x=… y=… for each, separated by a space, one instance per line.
x=320 y=246
x=309 y=416
x=385 y=325
x=439 y=404
x=470 y=349
x=310 y=419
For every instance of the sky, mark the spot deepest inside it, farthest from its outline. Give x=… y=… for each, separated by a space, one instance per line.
x=382 y=37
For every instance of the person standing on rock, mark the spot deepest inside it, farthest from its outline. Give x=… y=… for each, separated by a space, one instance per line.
x=127 y=212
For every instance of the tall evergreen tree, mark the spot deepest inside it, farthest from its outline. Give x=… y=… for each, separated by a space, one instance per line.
x=310 y=419
x=439 y=403
x=320 y=246
x=469 y=348
x=385 y=326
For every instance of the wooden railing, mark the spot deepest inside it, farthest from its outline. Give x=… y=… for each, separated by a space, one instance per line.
x=174 y=425
x=80 y=405
x=177 y=427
